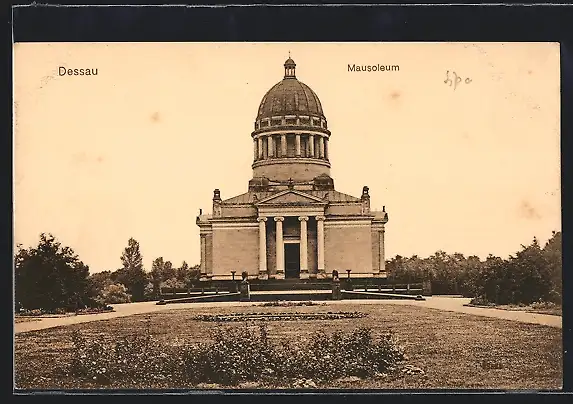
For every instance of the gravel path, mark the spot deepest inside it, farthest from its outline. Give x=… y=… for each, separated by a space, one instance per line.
x=454 y=304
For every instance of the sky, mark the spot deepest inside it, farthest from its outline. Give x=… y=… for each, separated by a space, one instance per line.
x=137 y=150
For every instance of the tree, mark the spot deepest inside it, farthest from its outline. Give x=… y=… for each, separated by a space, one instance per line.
x=115 y=293
x=553 y=254
x=168 y=271
x=530 y=279
x=192 y=276
x=99 y=281
x=149 y=292
x=469 y=276
x=182 y=272
x=156 y=274
x=172 y=283
x=132 y=275
x=50 y=276
x=533 y=274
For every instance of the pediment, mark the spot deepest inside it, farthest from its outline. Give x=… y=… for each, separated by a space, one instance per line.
x=291 y=197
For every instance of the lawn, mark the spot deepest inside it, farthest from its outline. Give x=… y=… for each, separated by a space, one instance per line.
x=552 y=310
x=454 y=350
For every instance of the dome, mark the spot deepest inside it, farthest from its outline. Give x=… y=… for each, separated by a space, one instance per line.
x=290 y=97
x=291 y=135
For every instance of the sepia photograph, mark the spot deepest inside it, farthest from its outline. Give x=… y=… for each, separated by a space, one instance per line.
x=287 y=216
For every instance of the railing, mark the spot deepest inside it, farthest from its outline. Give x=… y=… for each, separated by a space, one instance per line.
x=407 y=288
x=347 y=282
x=170 y=293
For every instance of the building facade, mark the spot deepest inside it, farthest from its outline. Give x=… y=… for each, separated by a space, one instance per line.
x=291 y=223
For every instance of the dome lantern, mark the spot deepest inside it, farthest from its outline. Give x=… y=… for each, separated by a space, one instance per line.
x=290 y=67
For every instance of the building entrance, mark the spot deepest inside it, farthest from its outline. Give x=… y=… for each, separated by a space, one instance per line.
x=292 y=260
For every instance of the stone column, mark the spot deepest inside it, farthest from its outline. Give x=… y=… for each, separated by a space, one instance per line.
x=203 y=255
x=311 y=144
x=283 y=145
x=297 y=142
x=320 y=242
x=255 y=149
x=382 y=252
x=262 y=247
x=326 y=148
x=265 y=147
x=303 y=247
x=321 y=147
x=271 y=146
x=280 y=248
x=260 y=142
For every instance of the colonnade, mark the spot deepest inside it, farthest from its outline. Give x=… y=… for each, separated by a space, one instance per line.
x=280 y=258
x=276 y=146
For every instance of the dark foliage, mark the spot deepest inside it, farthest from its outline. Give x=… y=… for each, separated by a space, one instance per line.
x=533 y=274
x=50 y=277
x=132 y=275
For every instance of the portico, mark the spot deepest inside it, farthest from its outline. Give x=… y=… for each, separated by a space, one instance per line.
x=301 y=238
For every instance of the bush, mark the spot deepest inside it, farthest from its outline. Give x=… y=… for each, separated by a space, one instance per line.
x=95 y=310
x=481 y=301
x=138 y=359
x=555 y=297
x=40 y=312
x=235 y=355
x=541 y=305
x=115 y=293
x=33 y=312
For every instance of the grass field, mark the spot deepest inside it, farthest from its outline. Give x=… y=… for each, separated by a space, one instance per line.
x=554 y=311
x=454 y=350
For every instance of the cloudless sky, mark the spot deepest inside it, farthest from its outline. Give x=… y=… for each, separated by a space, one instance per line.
x=136 y=150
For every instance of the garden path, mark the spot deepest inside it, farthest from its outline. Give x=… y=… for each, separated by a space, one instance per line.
x=454 y=304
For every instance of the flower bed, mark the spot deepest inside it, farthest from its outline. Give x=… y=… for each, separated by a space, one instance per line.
x=62 y=312
x=284 y=303
x=40 y=312
x=285 y=316
x=94 y=310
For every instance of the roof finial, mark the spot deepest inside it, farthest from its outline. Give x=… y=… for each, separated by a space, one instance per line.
x=289 y=53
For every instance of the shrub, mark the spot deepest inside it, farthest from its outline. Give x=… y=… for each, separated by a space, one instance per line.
x=138 y=359
x=555 y=296
x=541 y=305
x=235 y=355
x=481 y=301
x=95 y=310
x=33 y=312
x=115 y=293
x=243 y=355
x=41 y=312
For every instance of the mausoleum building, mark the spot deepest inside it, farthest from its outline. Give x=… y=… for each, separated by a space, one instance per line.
x=292 y=222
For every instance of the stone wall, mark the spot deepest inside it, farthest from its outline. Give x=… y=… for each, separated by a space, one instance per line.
x=349 y=208
x=238 y=211
x=235 y=249
x=283 y=169
x=348 y=247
